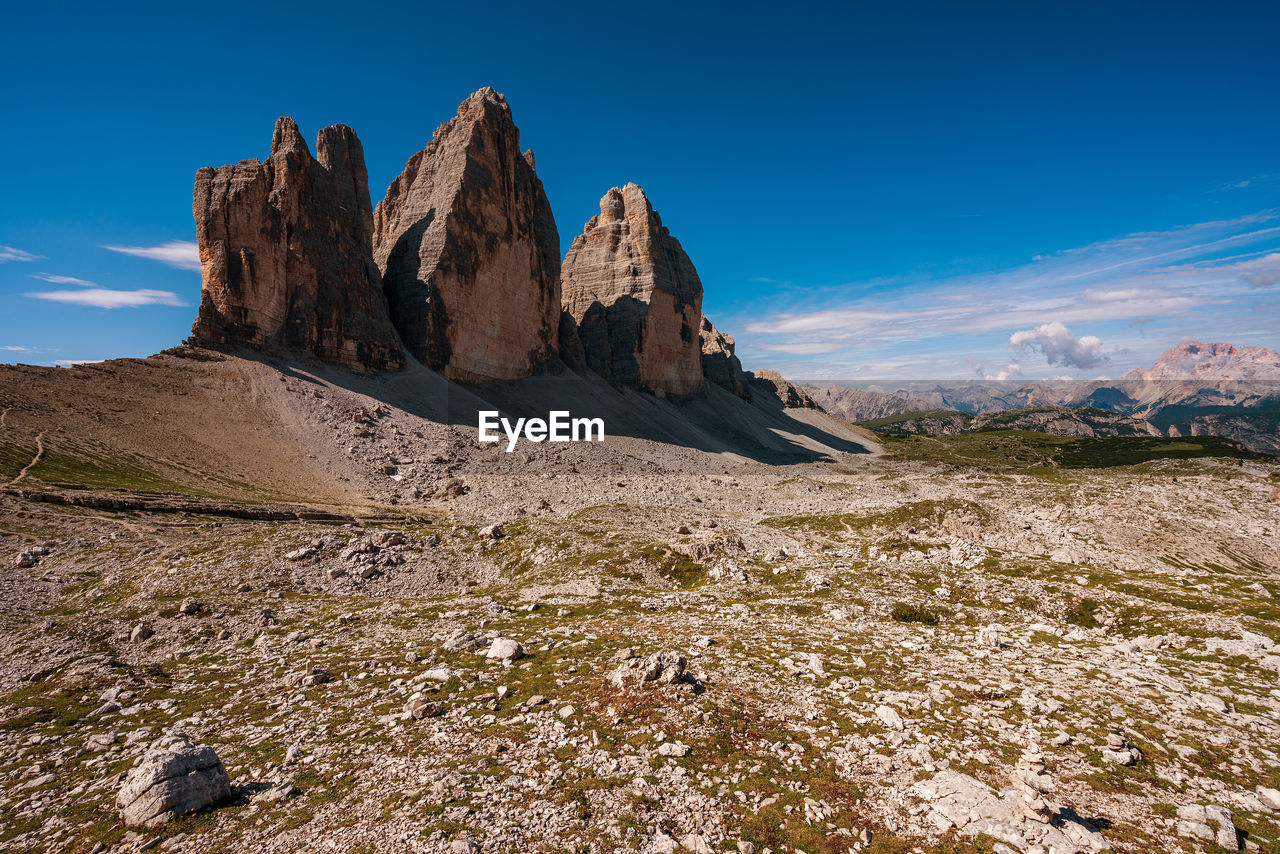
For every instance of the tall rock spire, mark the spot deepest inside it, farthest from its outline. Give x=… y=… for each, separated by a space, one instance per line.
x=636 y=297
x=285 y=254
x=469 y=251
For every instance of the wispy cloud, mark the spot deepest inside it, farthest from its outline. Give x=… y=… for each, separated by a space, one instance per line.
x=63 y=280
x=1140 y=293
x=183 y=254
x=1251 y=181
x=13 y=348
x=105 y=298
x=8 y=253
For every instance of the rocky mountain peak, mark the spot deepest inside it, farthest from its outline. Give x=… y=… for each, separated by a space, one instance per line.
x=483 y=99
x=469 y=250
x=287 y=137
x=1219 y=361
x=636 y=297
x=285 y=254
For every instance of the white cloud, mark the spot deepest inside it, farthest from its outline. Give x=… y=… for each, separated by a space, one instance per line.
x=63 y=280
x=105 y=298
x=1206 y=281
x=1060 y=347
x=71 y=363
x=183 y=254
x=1259 y=272
x=1013 y=369
x=15 y=349
x=8 y=253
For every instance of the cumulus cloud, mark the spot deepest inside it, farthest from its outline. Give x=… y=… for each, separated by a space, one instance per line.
x=183 y=254
x=1061 y=347
x=1011 y=370
x=8 y=253
x=105 y=298
x=63 y=280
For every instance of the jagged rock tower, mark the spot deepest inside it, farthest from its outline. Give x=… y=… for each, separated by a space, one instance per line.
x=469 y=251
x=636 y=297
x=286 y=256
x=459 y=264
x=720 y=365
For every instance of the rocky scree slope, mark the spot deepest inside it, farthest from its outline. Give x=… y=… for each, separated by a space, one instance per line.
x=871 y=656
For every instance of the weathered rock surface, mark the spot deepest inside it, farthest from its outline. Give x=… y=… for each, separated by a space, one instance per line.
x=172 y=780
x=636 y=297
x=469 y=251
x=286 y=256
x=719 y=364
x=1210 y=823
x=661 y=668
x=1018 y=817
x=793 y=397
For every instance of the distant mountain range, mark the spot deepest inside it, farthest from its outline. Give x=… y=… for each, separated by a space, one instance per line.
x=1193 y=389
x=1192 y=360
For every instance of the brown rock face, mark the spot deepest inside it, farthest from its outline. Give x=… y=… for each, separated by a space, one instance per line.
x=469 y=251
x=286 y=257
x=719 y=364
x=793 y=397
x=636 y=297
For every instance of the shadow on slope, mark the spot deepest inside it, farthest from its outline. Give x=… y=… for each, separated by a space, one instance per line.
x=713 y=420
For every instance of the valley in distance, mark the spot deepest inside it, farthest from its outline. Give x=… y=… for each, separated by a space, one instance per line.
x=266 y=591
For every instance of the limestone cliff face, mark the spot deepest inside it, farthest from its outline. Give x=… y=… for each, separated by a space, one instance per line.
x=636 y=297
x=469 y=251
x=792 y=397
x=1192 y=360
x=285 y=254
x=719 y=364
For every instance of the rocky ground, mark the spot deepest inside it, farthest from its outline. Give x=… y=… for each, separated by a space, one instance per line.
x=656 y=649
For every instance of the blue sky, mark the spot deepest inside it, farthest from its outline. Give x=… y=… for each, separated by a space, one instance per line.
x=890 y=190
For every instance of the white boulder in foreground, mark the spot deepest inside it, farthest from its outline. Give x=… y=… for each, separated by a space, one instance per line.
x=171 y=780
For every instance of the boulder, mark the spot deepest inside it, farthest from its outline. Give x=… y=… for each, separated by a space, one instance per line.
x=1210 y=823
x=1270 y=798
x=636 y=298
x=469 y=252
x=286 y=256
x=419 y=707
x=505 y=649
x=171 y=780
x=676 y=749
x=661 y=668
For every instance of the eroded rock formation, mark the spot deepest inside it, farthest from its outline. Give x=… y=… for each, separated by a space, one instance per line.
x=636 y=297
x=719 y=364
x=792 y=397
x=469 y=251
x=173 y=778
x=286 y=257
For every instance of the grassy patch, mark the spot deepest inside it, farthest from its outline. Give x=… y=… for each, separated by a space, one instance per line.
x=904 y=613
x=1083 y=613
x=1031 y=453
